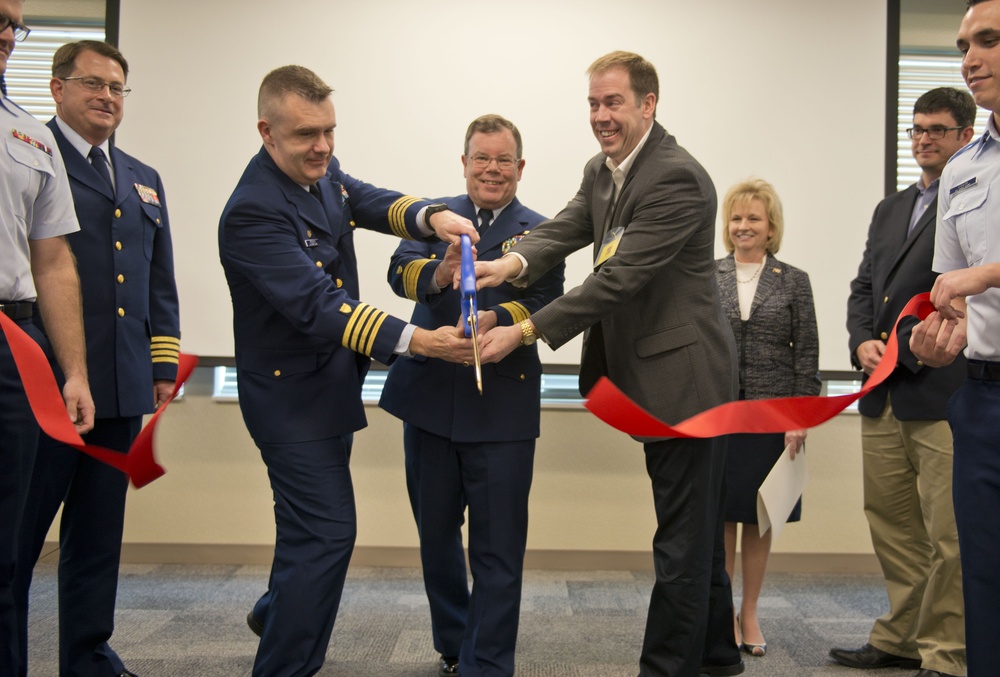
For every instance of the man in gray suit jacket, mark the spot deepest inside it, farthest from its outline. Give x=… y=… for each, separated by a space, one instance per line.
x=655 y=327
x=905 y=439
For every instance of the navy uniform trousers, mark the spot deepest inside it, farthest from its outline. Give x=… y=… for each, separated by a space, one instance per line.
x=316 y=526
x=973 y=413
x=493 y=480
x=18 y=442
x=93 y=498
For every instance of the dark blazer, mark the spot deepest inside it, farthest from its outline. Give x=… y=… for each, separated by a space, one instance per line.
x=778 y=346
x=125 y=260
x=303 y=340
x=656 y=325
x=893 y=269
x=441 y=397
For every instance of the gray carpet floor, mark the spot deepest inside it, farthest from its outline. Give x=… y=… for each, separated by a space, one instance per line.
x=189 y=620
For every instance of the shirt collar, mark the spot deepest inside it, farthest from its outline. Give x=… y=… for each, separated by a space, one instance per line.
x=78 y=142
x=933 y=187
x=627 y=163
x=496 y=211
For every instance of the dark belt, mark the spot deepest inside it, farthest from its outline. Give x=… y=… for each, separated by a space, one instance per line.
x=18 y=310
x=981 y=370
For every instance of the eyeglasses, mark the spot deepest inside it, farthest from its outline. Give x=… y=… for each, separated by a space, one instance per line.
x=97 y=85
x=504 y=162
x=20 y=30
x=935 y=132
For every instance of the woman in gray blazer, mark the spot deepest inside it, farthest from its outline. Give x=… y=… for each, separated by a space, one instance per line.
x=769 y=305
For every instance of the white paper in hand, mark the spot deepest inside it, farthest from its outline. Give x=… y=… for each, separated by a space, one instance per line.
x=779 y=493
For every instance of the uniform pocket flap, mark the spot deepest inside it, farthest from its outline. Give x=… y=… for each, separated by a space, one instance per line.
x=968 y=200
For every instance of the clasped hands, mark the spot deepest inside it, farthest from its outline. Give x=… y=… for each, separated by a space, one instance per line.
x=942 y=335
x=495 y=343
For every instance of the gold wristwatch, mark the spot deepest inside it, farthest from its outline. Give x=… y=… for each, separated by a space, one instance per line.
x=528 y=335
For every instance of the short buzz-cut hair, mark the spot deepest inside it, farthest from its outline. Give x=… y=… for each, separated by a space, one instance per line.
x=970 y=3
x=641 y=73
x=64 y=60
x=959 y=103
x=491 y=124
x=289 y=80
x=743 y=193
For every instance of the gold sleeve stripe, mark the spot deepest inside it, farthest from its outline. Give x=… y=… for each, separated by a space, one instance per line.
x=165 y=339
x=352 y=325
x=362 y=329
x=517 y=311
x=166 y=359
x=411 y=275
x=397 y=214
x=376 y=325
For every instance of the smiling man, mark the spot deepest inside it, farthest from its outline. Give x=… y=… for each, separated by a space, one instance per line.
x=905 y=439
x=654 y=325
x=132 y=327
x=466 y=449
x=303 y=342
x=967 y=297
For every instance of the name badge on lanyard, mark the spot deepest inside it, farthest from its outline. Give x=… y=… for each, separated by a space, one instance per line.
x=610 y=245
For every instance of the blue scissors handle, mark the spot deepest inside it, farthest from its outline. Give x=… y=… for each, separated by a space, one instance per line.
x=467 y=284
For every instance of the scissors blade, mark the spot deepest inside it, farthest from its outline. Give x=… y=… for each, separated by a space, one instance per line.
x=474 y=324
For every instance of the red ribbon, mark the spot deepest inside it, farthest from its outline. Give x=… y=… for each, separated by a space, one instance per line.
x=47 y=405
x=774 y=415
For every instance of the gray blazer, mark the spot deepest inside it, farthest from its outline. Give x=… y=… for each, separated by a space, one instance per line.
x=778 y=345
x=655 y=325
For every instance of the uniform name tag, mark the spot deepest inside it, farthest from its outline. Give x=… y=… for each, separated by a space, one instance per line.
x=311 y=242
x=610 y=245
x=962 y=186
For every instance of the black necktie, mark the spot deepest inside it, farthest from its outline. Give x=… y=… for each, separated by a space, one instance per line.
x=314 y=191
x=100 y=162
x=485 y=218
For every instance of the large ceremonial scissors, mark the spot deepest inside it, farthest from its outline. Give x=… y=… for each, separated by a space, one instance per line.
x=470 y=310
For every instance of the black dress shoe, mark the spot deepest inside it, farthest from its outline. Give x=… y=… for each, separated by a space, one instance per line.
x=722 y=670
x=868 y=657
x=449 y=666
x=126 y=673
x=255 y=626
x=931 y=673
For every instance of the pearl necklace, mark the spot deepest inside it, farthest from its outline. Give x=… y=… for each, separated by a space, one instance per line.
x=752 y=277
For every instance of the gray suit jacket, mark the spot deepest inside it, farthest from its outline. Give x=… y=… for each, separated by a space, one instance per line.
x=779 y=344
x=656 y=327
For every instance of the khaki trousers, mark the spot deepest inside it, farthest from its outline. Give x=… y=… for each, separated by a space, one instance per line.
x=908 y=502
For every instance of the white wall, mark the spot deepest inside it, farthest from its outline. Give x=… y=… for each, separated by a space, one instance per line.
x=769 y=88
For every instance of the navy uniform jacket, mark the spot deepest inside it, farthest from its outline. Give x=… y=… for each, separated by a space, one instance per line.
x=125 y=260
x=441 y=397
x=894 y=268
x=303 y=340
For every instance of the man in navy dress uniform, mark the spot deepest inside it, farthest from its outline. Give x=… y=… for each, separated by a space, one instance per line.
x=131 y=323
x=303 y=346
x=464 y=449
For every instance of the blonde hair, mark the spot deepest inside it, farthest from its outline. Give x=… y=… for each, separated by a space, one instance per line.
x=742 y=193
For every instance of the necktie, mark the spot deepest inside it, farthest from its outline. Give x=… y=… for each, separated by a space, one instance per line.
x=485 y=218
x=100 y=162
x=314 y=191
